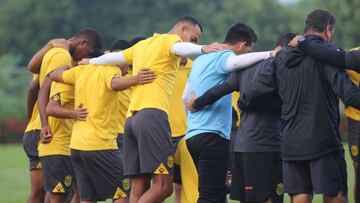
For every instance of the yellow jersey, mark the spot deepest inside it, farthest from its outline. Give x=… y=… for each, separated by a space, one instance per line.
x=53 y=59
x=177 y=115
x=154 y=53
x=93 y=90
x=124 y=102
x=351 y=112
x=61 y=129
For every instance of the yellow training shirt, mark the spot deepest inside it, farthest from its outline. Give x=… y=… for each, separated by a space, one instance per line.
x=93 y=90
x=61 y=129
x=34 y=122
x=235 y=98
x=350 y=111
x=53 y=59
x=155 y=54
x=177 y=115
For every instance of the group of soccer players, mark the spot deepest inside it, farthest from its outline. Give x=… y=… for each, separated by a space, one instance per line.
x=141 y=120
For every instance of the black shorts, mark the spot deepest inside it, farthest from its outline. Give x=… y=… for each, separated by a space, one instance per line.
x=30 y=143
x=210 y=154
x=353 y=138
x=177 y=173
x=99 y=175
x=325 y=175
x=147 y=143
x=120 y=143
x=257 y=176
x=58 y=173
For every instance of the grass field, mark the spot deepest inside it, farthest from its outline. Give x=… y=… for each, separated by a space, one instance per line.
x=14 y=180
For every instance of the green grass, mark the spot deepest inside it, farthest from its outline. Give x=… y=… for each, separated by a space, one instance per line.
x=14 y=179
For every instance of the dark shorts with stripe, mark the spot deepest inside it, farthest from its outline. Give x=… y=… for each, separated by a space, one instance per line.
x=99 y=175
x=353 y=138
x=257 y=176
x=58 y=173
x=120 y=143
x=210 y=153
x=177 y=173
x=148 y=147
x=325 y=175
x=30 y=143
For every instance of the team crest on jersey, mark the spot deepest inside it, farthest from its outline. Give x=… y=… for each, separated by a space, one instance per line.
x=68 y=180
x=39 y=166
x=161 y=170
x=126 y=184
x=58 y=188
x=280 y=189
x=170 y=161
x=56 y=97
x=119 y=193
x=354 y=150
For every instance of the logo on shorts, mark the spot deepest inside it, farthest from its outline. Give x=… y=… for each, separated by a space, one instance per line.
x=280 y=189
x=39 y=166
x=161 y=170
x=58 y=188
x=126 y=184
x=119 y=193
x=170 y=161
x=354 y=150
x=68 y=180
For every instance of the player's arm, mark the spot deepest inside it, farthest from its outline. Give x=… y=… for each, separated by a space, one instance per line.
x=144 y=76
x=341 y=84
x=43 y=100
x=57 y=75
x=35 y=62
x=214 y=93
x=262 y=84
x=245 y=60
x=32 y=96
x=112 y=58
x=190 y=49
x=55 y=109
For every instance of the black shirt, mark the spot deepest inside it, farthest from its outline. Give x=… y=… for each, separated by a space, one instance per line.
x=259 y=129
x=310 y=92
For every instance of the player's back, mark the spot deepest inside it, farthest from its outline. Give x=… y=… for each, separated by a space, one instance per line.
x=309 y=106
x=154 y=53
x=93 y=91
x=207 y=71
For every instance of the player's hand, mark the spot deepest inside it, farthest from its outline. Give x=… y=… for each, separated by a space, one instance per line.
x=189 y=103
x=63 y=43
x=84 y=61
x=81 y=113
x=45 y=135
x=213 y=47
x=145 y=76
x=293 y=43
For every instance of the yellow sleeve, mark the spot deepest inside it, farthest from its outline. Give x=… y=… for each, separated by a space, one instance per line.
x=59 y=59
x=129 y=54
x=110 y=74
x=69 y=76
x=61 y=93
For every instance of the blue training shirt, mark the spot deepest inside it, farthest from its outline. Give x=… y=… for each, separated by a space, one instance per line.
x=208 y=71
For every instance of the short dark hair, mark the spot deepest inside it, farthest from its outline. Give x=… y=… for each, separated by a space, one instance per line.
x=240 y=32
x=285 y=39
x=135 y=40
x=94 y=38
x=191 y=20
x=120 y=45
x=95 y=53
x=318 y=20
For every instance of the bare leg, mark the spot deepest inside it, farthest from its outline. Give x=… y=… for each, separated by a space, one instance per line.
x=139 y=185
x=301 y=198
x=75 y=195
x=57 y=198
x=177 y=188
x=37 y=192
x=337 y=199
x=161 y=189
